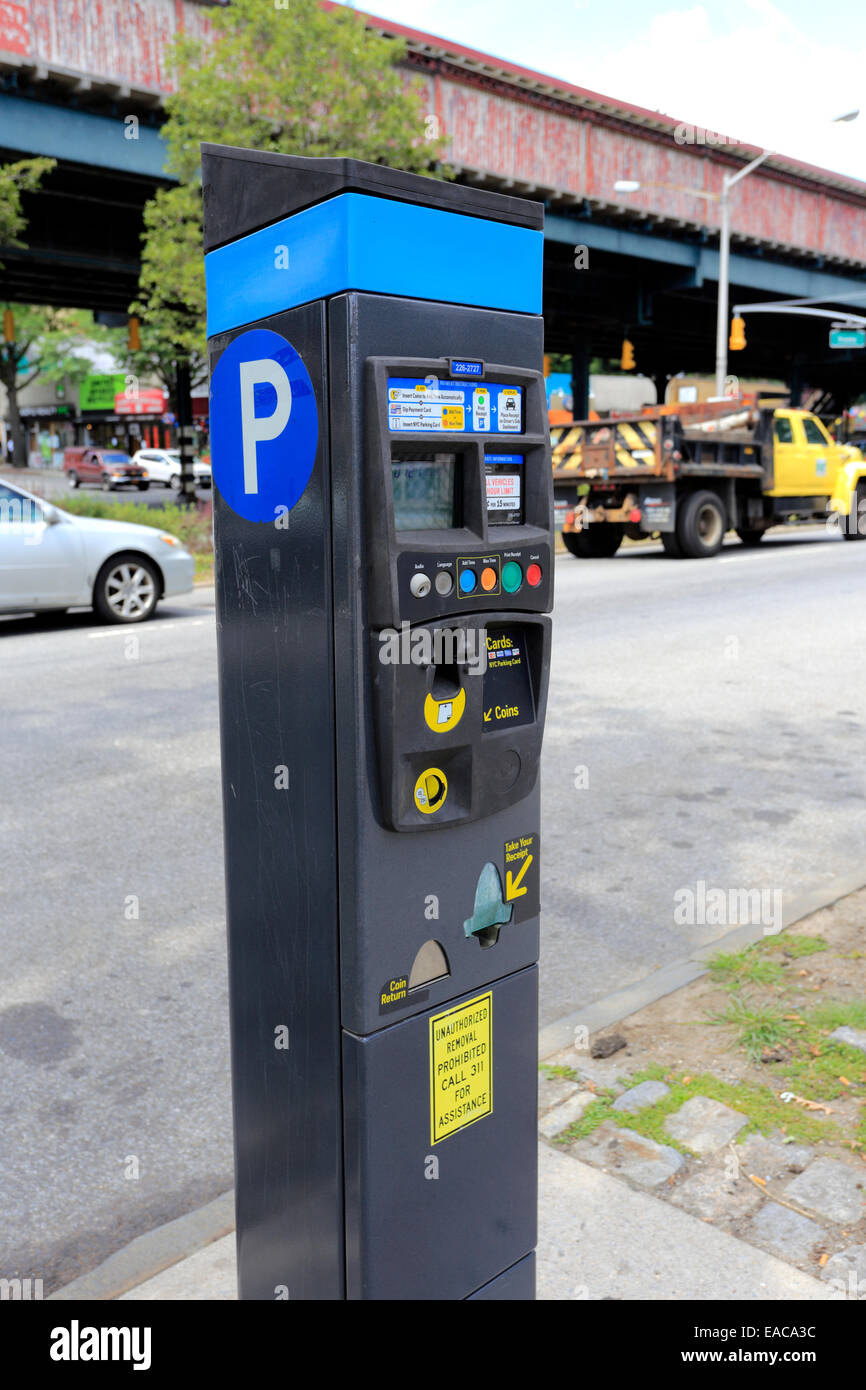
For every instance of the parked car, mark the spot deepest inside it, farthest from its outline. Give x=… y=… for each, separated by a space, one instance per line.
x=110 y=468
x=163 y=466
x=51 y=561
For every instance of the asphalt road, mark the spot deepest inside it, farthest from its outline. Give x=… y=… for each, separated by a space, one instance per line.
x=716 y=710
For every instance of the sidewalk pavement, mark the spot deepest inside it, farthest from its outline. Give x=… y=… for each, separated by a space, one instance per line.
x=598 y=1238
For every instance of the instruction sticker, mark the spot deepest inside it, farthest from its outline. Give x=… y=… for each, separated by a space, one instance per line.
x=522 y=877
x=435 y=407
x=507 y=689
x=461 y=1066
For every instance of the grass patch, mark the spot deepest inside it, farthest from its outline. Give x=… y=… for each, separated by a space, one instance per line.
x=594 y=1115
x=565 y=1073
x=756 y=964
x=763 y=1110
x=831 y=1014
x=819 y=1068
x=192 y=525
x=203 y=567
x=794 y=945
x=759 y=1027
x=736 y=968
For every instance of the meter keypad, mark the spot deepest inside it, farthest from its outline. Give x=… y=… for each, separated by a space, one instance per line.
x=489 y=579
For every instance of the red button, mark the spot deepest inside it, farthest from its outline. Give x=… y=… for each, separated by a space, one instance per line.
x=533 y=576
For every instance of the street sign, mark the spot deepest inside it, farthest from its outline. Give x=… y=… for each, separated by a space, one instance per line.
x=264 y=426
x=848 y=337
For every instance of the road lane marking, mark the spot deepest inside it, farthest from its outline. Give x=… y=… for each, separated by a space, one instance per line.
x=159 y=627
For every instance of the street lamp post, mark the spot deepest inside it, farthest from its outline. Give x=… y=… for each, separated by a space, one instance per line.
x=723 y=199
x=728 y=181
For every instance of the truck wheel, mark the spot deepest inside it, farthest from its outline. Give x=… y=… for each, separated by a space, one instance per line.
x=701 y=525
x=671 y=545
x=749 y=537
x=599 y=542
x=855 y=528
x=72 y=478
x=570 y=540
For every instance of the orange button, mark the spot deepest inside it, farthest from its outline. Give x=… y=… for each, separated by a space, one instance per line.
x=489 y=578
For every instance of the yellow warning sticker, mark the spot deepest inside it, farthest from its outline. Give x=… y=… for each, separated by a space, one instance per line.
x=461 y=1066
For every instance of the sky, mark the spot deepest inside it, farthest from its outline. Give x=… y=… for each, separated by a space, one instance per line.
x=772 y=75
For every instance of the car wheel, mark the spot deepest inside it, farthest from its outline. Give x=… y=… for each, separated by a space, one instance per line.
x=126 y=589
x=72 y=478
x=175 y=483
x=142 y=487
x=107 y=484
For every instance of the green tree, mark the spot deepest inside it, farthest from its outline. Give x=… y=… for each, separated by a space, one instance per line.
x=292 y=78
x=46 y=343
x=157 y=356
x=15 y=179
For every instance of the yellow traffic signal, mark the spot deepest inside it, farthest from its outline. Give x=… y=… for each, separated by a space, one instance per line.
x=8 y=326
x=738 y=335
x=627 y=361
x=133 y=342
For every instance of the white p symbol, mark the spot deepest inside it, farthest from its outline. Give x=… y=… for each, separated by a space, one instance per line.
x=256 y=429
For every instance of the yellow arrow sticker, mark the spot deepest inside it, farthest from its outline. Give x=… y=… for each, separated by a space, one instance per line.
x=512 y=885
x=521 y=875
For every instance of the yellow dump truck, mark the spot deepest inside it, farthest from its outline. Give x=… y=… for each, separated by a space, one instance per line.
x=692 y=475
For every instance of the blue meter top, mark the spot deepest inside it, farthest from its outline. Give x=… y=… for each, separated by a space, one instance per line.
x=431 y=406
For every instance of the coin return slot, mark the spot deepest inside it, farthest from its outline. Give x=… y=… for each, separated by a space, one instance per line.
x=431 y=963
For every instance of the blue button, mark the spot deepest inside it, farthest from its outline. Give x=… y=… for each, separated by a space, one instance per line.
x=467 y=581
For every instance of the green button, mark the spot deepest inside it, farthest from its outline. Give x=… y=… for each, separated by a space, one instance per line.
x=512 y=576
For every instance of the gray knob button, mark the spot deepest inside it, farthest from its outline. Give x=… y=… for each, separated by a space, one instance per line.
x=419 y=585
x=444 y=582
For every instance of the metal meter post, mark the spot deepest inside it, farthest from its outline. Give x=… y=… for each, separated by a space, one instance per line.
x=384 y=568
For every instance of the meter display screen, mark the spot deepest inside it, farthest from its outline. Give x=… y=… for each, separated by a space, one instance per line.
x=441 y=407
x=423 y=491
x=504 y=476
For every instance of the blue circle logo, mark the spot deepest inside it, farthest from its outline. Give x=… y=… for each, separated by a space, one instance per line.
x=264 y=425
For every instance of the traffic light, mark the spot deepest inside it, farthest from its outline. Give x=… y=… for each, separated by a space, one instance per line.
x=133 y=342
x=738 y=334
x=627 y=361
x=8 y=326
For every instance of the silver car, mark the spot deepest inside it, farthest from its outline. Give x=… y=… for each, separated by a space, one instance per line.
x=51 y=561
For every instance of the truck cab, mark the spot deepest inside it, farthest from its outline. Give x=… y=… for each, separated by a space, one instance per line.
x=806 y=458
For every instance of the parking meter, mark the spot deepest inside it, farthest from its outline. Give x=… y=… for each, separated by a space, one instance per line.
x=384 y=568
